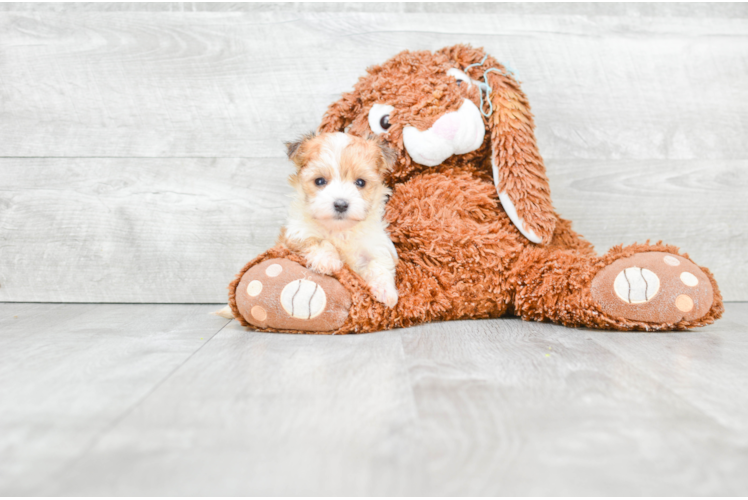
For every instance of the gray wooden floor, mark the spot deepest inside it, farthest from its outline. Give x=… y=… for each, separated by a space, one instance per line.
x=114 y=399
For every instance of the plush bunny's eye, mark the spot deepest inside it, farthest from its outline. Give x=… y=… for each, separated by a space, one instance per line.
x=379 y=118
x=459 y=76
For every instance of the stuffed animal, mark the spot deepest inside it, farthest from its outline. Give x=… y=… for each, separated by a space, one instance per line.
x=472 y=221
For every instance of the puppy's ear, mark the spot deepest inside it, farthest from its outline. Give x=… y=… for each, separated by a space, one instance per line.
x=295 y=150
x=387 y=154
x=518 y=169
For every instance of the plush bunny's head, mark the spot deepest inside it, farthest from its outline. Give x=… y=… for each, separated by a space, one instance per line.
x=454 y=108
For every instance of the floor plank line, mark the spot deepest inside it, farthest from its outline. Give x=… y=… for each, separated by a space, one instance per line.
x=70 y=369
x=103 y=432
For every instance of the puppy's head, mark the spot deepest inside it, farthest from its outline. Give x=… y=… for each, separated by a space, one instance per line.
x=339 y=177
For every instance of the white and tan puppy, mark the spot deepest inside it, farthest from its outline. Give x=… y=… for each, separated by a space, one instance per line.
x=336 y=215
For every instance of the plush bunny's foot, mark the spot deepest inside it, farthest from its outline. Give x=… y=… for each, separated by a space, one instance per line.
x=653 y=287
x=283 y=295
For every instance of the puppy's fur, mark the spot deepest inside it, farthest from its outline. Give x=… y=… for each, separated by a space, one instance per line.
x=336 y=215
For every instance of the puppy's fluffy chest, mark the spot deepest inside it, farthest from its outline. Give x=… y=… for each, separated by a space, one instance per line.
x=357 y=246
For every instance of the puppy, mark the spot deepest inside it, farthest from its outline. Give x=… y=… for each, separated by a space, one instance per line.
x=336 y=215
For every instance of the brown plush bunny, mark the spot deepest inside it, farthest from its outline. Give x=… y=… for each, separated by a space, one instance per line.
x=472 y=220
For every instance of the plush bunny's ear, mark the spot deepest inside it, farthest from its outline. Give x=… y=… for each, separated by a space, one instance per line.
x=518 y=169
x=341 y=113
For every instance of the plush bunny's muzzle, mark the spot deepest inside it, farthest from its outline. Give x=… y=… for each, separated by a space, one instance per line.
x=455 y=133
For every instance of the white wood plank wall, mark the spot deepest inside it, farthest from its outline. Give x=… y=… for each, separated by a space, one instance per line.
x=141 y=155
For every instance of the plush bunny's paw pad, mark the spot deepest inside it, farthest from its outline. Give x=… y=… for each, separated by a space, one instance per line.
x=653 y=287
x=281 y=294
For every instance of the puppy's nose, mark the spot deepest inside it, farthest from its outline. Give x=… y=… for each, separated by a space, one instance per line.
x=340 y=206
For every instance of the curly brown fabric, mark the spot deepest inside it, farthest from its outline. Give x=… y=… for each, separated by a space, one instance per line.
x=461 y=257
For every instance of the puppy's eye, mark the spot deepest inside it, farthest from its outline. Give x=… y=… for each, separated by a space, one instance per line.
x=360 y=183
x=379 y=118
x=320 y=181
x=459 y=82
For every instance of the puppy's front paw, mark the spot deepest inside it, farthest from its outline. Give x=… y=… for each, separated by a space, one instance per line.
x=384 y=291
x=323 y=261
x=326 y=266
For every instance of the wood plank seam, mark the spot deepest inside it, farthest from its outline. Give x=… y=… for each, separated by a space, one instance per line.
x=113 y=424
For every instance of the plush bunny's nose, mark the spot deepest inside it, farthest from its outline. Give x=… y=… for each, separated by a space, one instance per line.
x=447 y=126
